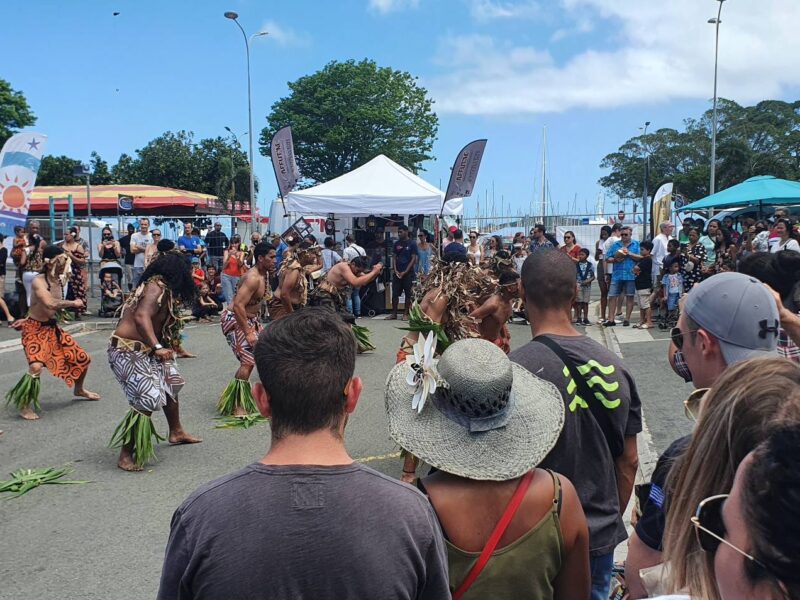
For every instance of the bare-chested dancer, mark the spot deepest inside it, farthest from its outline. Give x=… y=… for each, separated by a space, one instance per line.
x=241 y=327
x=338 y=282
x=292 y=291
x=44 y=342
x=493 y=315
x=140 y=355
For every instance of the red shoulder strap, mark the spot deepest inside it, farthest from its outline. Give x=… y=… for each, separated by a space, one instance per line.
x=498 y=532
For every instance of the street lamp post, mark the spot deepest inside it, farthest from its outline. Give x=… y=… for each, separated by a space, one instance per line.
x=644 y=189
x=233 y=17
x=712 y=184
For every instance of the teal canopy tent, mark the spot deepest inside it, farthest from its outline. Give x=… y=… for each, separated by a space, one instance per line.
x=762 y=190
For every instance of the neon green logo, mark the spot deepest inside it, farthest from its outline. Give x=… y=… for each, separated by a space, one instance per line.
x=596 y=383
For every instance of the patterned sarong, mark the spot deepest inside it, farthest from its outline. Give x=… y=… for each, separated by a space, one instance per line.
x=145 y=380
x=237 y=339
x=47 y=343
x=277 y=311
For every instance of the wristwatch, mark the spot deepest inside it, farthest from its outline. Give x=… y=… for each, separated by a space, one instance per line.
x=158 y=347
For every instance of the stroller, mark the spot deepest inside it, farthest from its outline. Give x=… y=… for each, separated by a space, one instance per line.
x=110 y=304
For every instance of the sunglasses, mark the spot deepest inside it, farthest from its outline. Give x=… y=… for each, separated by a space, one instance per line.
x=677 y=336
x=156 y=235
x=691 y=406
x=710 y=527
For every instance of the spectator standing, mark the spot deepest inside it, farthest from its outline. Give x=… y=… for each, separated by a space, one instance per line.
x=351 y=252
x=424 y=252
x=539 y=239
x=139 y=243
x=519 y=256
x=660 y=243
x=329 y=255
x=86 y=253
x=309 y=522
x=604 y=428
x=404 y=258
x=673 y=285
x=785 y=237
x=683 y=234
x=709 y=241
x=729 y=224
x=602 y=281
x=152 y=250
x=692 y=259
x=128 y=255
x=779 y=213
x=234 y=267
x=3 y=260
x=623 y=255
x=494 y=246
x=643 y=272
x=474 y=250
x=585 y=277
x=216 y=243
x=77 y=287
x=188 y=244
x=449 y=237
x=482 y=480
x=570 y=247
x=108 y=249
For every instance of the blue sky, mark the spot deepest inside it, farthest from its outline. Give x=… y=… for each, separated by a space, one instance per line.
x=591 y=71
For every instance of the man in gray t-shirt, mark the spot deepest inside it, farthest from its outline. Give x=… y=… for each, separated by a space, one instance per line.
x=306 y=521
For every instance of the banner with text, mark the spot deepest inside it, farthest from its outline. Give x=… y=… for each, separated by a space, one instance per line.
x=465 y=171
x=283 y=162
x=19 y=163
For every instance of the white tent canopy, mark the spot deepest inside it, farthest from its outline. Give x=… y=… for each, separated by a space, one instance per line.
x=379 y=187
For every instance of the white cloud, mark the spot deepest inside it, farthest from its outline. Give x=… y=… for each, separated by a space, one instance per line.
x=657 y=51
x=387 y=6
x=283 y=36
x=485 y=10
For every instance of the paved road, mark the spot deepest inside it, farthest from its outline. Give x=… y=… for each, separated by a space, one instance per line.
x=105 y=540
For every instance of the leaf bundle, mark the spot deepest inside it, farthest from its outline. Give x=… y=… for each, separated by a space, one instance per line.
x=136 y=430
x=25 y=393
x=237 y=393
x=24 y=480
x=240 y=422
x=362 y=335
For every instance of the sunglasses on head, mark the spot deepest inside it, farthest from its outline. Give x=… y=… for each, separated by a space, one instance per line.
x=710 y=527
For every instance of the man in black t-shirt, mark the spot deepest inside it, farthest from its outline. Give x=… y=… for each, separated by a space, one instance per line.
x=598 y=454
x=129 y=257
x=216 y=242
x=404 y=257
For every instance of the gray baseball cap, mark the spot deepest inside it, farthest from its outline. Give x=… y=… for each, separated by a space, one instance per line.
x=739 y=311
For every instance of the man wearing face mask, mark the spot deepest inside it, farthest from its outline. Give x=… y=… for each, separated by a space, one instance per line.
x=725 y=319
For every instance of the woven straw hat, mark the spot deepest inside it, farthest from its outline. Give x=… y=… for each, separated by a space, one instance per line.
x=488 y=419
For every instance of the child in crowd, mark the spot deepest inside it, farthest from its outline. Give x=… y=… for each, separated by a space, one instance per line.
x=520 y=254
x=198 y=275
x=111 y=298
x=584 y=276
x=214 y=283
x=672 y=284
x=204 y=305
x=643 y=270
x=18 y=247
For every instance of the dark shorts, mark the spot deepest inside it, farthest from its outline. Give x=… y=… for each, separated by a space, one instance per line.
x=402 y=286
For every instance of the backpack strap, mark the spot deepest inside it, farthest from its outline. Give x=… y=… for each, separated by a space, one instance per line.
x=494 y=539
x=601 y=415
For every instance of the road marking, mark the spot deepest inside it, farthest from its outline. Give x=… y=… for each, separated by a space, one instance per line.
x=368 y=459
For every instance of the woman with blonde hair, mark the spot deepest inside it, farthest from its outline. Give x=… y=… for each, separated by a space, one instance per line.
x=745 y=404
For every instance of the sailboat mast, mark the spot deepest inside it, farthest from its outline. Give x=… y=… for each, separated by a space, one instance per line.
x=544 y=173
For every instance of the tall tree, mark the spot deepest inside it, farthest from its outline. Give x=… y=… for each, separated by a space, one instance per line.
x=348 y=113
x=100 y=172
x=58 y=170
x=14 y=111
x=751 y=140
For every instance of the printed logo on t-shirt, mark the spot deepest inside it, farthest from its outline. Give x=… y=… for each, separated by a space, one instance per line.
x=596 y=383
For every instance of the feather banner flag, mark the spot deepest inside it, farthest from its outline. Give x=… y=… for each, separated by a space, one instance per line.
x=19 y=163
x=465 y=171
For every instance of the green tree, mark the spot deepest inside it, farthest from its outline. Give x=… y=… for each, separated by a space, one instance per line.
x=125 y=171
x=755 y=140
x=348 y=113
x=101 y=175
x=14 y=112
x=58 y=170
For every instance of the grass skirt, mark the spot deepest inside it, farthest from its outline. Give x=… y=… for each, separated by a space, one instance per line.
x=137 y=429
x=362 y=335
x=237 y=393
x=25 y=393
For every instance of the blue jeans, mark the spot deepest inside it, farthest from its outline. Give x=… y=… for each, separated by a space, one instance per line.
x=620 y=286
x=600 y=568
x=216 y=261
x=229 y=283
x=354 y=302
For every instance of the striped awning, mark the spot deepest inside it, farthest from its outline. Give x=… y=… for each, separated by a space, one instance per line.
x=147 y=199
